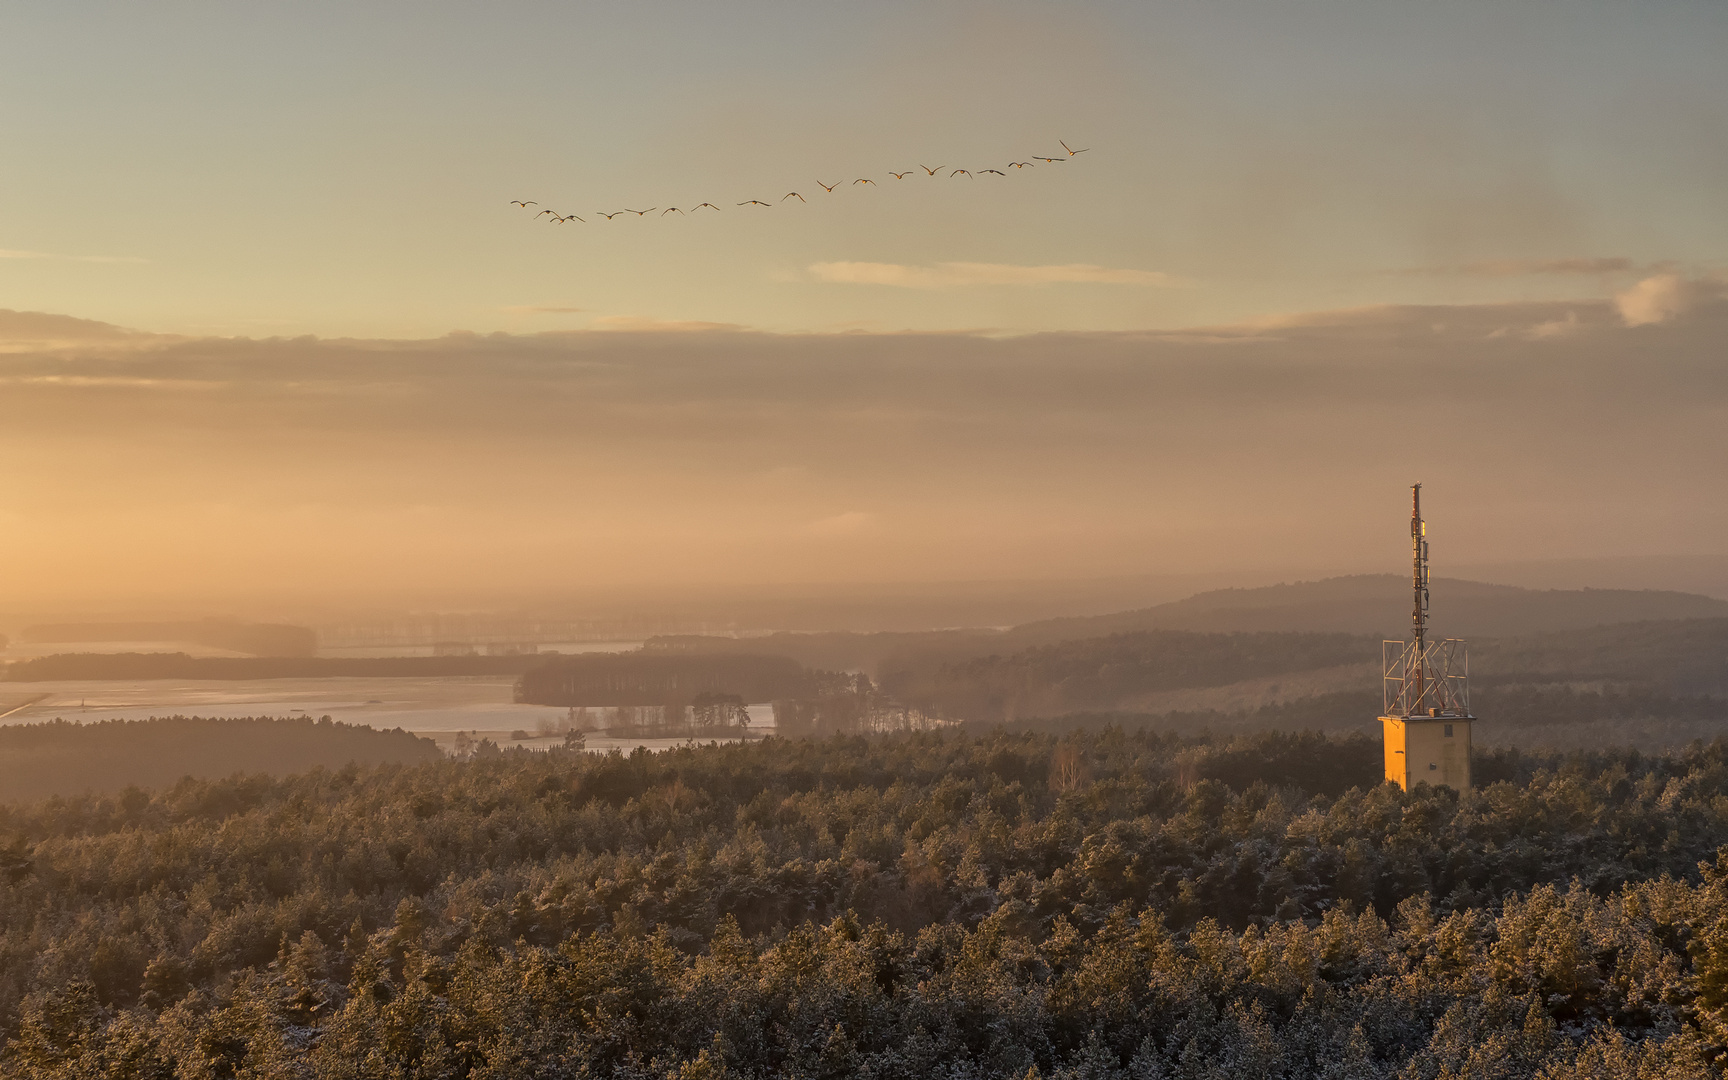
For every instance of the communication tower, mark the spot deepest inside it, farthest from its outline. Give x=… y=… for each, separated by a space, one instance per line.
x=1425 y=688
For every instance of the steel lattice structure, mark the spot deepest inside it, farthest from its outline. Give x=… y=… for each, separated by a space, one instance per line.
x=1419 y=677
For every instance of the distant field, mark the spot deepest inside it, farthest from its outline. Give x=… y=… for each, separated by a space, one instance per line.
x=436 y=708
x=450 y=703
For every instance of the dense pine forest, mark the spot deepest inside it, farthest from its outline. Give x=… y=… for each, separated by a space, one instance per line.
x=1102 y=903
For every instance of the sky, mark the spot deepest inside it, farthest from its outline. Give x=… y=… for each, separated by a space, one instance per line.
x=276 y=326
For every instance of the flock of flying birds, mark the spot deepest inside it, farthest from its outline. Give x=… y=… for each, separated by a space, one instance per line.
x=555 y=218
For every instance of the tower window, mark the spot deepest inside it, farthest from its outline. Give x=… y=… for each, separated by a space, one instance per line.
x=1448 y=731
x=1432 y=767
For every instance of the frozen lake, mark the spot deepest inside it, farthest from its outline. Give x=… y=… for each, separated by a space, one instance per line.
x=434 y=707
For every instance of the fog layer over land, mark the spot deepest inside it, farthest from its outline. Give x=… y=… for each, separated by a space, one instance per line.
x=149 y=466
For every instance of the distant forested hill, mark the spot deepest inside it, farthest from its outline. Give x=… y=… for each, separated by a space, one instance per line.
x=1375 y=605
x=1686 y=656
x=1380 y=604
x=1109 y=672
x=60 y=758
x=1648 y=684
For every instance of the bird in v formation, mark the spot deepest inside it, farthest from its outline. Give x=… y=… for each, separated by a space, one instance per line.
x=559 y=219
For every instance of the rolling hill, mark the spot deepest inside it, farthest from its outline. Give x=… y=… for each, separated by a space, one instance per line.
x=1376 y=605
x=1380 y=604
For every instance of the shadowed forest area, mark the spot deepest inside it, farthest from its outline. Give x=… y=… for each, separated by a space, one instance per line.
x=61 y=758
x=1098 y=904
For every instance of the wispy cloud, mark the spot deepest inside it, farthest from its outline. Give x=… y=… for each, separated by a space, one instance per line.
x=39 y=331
x=642 y=324
x=7 y=253
x=1546 y=330
x=947 y=275
x=542 y=309
x=846 y=524
x=1494 y=268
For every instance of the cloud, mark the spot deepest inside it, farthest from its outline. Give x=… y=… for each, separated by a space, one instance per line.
x=846 y=524
x=947 y=275
x=10 y=254
x=1546 y=330
x=1661 y=297
x=542 y=309
x=639 y=324
x=543 y=460
x=1497 y=268
x=30 y=331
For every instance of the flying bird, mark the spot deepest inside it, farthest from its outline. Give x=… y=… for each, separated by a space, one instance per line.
x=928 y=171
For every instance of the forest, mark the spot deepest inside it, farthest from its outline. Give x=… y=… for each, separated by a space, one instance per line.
x=59 y=757
x=1103 y=902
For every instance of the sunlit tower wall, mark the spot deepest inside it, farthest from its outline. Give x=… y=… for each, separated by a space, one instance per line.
x=1425 y=688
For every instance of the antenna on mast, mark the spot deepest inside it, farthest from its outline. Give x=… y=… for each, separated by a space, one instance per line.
x=1419 y=584
x=1425 y=707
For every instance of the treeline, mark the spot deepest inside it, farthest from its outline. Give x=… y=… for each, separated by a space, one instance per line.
x=1104 y=904
x=1092 y=673
x=60 y=758
x=260 y=639
x=105 y=666
x=1681 y=656
x=1533 y=715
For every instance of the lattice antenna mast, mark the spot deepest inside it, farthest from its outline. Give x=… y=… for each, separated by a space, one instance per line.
x=1419 y=586
x=1420 y=676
